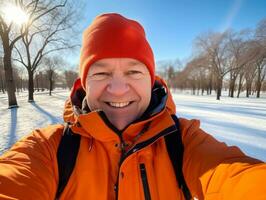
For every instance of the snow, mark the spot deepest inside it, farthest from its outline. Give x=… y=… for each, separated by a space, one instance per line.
x=18 y=122
x=235 y=121
x=240 y=122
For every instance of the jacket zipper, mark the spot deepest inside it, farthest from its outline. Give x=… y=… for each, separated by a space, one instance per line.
x=122 y=145
x=145 y=182
x=138 y=147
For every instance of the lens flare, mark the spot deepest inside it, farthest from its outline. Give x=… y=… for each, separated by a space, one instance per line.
x=15 y=14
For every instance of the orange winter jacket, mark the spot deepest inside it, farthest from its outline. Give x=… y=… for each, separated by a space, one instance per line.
x=211 y=169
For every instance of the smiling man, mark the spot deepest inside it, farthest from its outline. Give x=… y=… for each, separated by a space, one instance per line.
x=120 y=87
x=122 y=139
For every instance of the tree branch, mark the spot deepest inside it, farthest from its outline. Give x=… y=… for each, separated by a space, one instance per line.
x=20 y=56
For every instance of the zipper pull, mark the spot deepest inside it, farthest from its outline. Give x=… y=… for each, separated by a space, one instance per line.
x=123 y=147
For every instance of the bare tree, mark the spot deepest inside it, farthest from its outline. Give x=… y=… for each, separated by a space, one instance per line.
x=261 y=56
x=52 y=65
x=210 y=81
x=19 y=79
x=247 y=70
x=10 y=34
x=39 y=81
x=39 y=11
x=2 y=84
x=263 y=88
x=197 y=72
x=45 y=38
x=261 y=31
x=168 y=69
x=240 y=52
x=250 y=73
x=235 y=47
x=261 y=72
x=215 y=45
x=170 y=76
x=70 y=77
x=51 y=75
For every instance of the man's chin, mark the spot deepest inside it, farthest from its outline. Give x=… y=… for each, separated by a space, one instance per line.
x=119 y=123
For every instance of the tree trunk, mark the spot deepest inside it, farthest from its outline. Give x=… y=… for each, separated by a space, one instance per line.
x=10 y=84
x=258 y=84
x=37 y=83
x=219 y=88
x=258 y=89
x=232 y=87
x=248 y=88
x=50 y=86
x=210 y=85
x=30 y=86
x=21 y=84
x=193 y=90
x=230 y=84
x=218 y=94
x=2 y=84
x=239 y=85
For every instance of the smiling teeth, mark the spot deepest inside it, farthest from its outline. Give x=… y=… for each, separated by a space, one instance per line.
x=119 y=104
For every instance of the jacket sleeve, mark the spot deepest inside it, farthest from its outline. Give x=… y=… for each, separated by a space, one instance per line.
x=214 y=170
x=29 y=169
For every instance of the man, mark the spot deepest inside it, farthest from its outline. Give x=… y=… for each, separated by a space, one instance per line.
x=123 y=114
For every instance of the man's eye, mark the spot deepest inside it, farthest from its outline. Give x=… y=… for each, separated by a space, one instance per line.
x=135 y=74
x=100 y=75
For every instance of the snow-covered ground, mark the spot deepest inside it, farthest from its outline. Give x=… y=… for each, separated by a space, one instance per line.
x=240 y=122
x=15 y=123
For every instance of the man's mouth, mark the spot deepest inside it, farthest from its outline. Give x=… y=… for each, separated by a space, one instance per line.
x=119 y=104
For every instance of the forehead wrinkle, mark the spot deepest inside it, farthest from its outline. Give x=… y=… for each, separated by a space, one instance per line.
x=99 y=64
x=135 y=62
x=120 y=62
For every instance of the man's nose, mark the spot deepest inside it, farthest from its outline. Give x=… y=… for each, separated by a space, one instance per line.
x=118 y=86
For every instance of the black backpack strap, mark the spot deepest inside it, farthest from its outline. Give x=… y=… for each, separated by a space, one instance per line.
x=175 y=150
x=66 y=157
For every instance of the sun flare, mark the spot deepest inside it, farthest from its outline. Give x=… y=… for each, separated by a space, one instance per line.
x=14 y=14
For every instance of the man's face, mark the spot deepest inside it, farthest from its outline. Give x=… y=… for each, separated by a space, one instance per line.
x=121 y=87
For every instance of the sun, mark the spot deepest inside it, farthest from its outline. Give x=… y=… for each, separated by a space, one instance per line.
x=15 y=14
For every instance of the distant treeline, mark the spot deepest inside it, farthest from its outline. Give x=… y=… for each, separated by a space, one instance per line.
x=231 y=60
x=47 y=79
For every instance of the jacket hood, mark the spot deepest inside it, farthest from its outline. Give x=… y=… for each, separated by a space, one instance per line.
x=95 y=123
x=161 y=99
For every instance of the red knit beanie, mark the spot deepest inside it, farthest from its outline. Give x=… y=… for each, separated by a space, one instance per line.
x=114 y=36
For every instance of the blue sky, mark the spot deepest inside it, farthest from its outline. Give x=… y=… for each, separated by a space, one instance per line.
x=172 y=25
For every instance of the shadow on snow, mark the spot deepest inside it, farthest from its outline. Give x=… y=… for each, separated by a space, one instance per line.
x=12 y=128
x=52 y=119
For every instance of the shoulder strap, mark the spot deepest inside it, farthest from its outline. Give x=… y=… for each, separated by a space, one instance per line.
x=175 y=150
x=66 y=157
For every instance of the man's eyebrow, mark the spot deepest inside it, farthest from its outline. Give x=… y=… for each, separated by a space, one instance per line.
x=99 y=64
x=133 y=63
x=130 y=63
